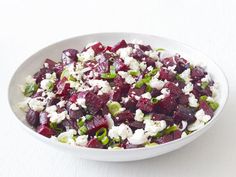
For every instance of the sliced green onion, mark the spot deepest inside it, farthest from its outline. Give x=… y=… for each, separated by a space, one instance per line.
x=170 y=129
x=203 y=98
x=117 y=140
x=101 y=133
x=139 y=84
x=105 y=140
x=148 y=88
x=63 y=139
x=151 y=144
x=152 y=72
x=214 y=105
x=83 y=130
x=204 y=85
x=154 y=100
x=179 y=78
x=159 y=49
x=30 y=89
x=71 y=78
x=89 y=117
x=191 y=67
x=108 y=75
x=114 y=108
x=65 y=73
x=50 y=86
x=53 y=125
x=80 y=122
x=159 y=134
x=133 y=72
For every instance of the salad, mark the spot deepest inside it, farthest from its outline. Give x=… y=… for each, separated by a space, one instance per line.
x=126 y=96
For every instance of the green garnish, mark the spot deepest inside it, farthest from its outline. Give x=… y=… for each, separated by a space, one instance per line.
x=71 y=78
x=147 y=117
x=114 y=108
x=112 y=69
x=203 y=98
x=30 y=89
x=134 y=73
x=170 y=129
x=108 y=75
x=63 y=139
x=152 y=72
x=65 y=73
x=213 y=105
x=154 y=100
x=80 y=122
x=139 y=84
x=53 y=125
x=105 y=140
x=101 y=133
x=204 y=85
x=89 y=117
x=83 y=130
x=148 y=88
x=50 y=86
x=179 y=78
x=159 y=49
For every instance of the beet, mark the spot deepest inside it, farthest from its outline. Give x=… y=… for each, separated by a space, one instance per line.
x=50 y=63
x=93 y=102
x=145 y=47
x=120 y=65
x=181 y=65
x=58 y=68
x=40 y=75
x=32 y=117
x=94 y=143
x=168 y=61
x=116 y=95
x=63 y=87
x=136 y=91
x=167 y=105
x=166 y=75
x=174 y=90
x=69 y=124
x=183 y=99
x=97 y=48
x=197 y=73
x=73 y=98
x=157 y=117
x=165 y=139
x=207 y=109
x=150 y=61
x=145 y=105
x=45 y=131
x=121 y=44
x=131 y=104
x=184 y=113
x=136 y=125
x=138 y=54
x=69 y=56
x=125 y=116
x=75 y=114
x=52 y=101
x=95 y=124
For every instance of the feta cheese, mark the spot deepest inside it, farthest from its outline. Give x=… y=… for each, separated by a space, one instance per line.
x=143 y=65
x=150 y=68
x=123 y=131
x=51 y=109
x=188 y=88
x=153 y=127
x=109 y=120
x=37 y=104
x=155 y=83
x=139 y=115
x=128 y=78
x=184 y=134
x=103 y=85
x=184 y=125
x=196 y=125
x=147 y=95
x=193 y=102
x=124 y=52
x=82 y=140
x=74 y=107
x=46 y=65
x=45 y=84
x=87 y=55
x=81 y=102
x=138 y=137
x=200 y=115
x=185 y=75
x=214 y=90
x=61 y=104
x=67 y=137
x=57 y=117
x=172 y=68
x=207 y=78
x=166 y=54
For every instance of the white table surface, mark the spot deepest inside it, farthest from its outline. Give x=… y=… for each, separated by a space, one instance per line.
x=26 y=26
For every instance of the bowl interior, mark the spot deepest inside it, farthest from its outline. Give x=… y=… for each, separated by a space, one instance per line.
x=33 y=63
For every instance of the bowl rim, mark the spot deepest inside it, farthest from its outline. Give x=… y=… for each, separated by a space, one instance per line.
x=71 y=147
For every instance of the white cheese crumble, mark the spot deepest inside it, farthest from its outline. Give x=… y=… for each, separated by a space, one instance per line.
x=138 y=137
x=147 y=95
x=124 y=52
x=188 y=88
x=74 y=107
x=57 y=117
x=67 y=137
x=202 y=118
x=155 y=83
x=61 y=104
x=103 y=85
x=184 y=134
x=193 y=102
x=214 y=89
x=128 y=78
x=207 y=78
x=172 y=68
x=109 y=120
x=139 y=115
x=165 y=92
x=123 y=131
x=143 y=65
x=82 y=140
x=51 y=109
x=37 y=104
x=87 y=55
x=153 y=127
x=185 y=75
x=81 y=102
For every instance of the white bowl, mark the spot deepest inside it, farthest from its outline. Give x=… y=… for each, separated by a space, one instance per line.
x=33 y=63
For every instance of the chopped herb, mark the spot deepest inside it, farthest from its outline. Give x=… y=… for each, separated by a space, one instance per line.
x=151 y=144
x=89 y=117
x=154 y=100
x=83 y=130
x=71 y=78
x=80 y=122
x=134 y=73
x=203 y=98
x=65 y=73
x=50 y=86
x=30 y=89
x=139 y=84
x=105 y=140
x=108 y=75
x=112 y=69
x=101 y=133
x=170 y=129
x=114 y=108
x=204 y=85
x=179 y=78
x=148 y=88
x=213 y=105
x=159 y=49
x=53 y=125
x=152 y=72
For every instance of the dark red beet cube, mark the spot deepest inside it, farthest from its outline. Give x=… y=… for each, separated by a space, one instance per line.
x=116 y=95
x=40 y=75
x=94 y=143
x=69 y=56
x=181 y=64
x=184 y=113
x=58 y=68
x=32 y=117
x=93 y=102
x=166 y=75
x=75 y=114
x=63 y=87
x=52 y=101
x=176 y=91
x=167 y=105
x=169 y=120
x=197 y=73
x=136 y=91
x=207 y=109
x=125 y=116
x=183 y=99
x=136 y=125
x=131 y=104
x=145 y=47
x=145 y=105
x=165 y=139
x=50 y=63
x=95 y=124
x=97 y=48
x=45 y=131
x=69 y=124
x=177 y=134
x=168 y=61
x=121 y=44
x=138 y=54
x=73 y=98
x=120 y=65
x=150 y=61
x=107 y=48
x=90 y=63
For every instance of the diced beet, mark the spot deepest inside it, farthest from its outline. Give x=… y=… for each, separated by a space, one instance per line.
x=145 y=47
x=131 y=104
x=94 y=143
x=167 y=105
x=166 y=75
x=116 y=95
x=184 y=113
x=32 y=117
x=37 y=94
x=198 y=91
x=150 y=61
x=103 y=67
x=90 y=63
x=157 y=117
x=40 y=75
x=181 y=64
x=168 y=61
x=58 y=68
x=119 y=82
x=183 y=99
x=121 y=44
x=177 y=134
x=197 y=73
x=43 y=118
x=207 y=109
x=176 y=91
x=93 y=102
x=62 y=87
x=138 y=54
x=125 y=116
x=69 y=124
x=107 y=48
x=155 y=92
x=136 y=125
x=45 y=131
x=145 y=105
x=52 y=101
x=50 y=63
x=97 y=48
x=119 y=65
x=136 y=91
x=95 y=124
x=75 y=114
x=69 y=56
x=105 y=97
x=165 y=139
x=82 y=94
x=73 y=98
x=132 y=146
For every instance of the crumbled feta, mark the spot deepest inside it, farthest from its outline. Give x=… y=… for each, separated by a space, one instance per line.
x=153 y=127
x=172 y=68
x=188 y=88
x=165 y=92
x=103 y=85
x=74 y=107
x=193 y=102
x=37 y=104
x=128 y=78
x=139 y=115
x=207 y=78
x=143 y=65
x=185 y=75
x=123 y=131
x=147 y=95
x=184 y=134
x=81 y=102
x=50 y=95
x=124 y=52
x=82 y=140
x=184 y=125
x=152 y=54
x=109 y=120
x=156 y=83
x=138 y=137
x=210 y=99
x=124 y=99
x=200 y=115
x=67 y=137
x=45 y=84
x=87 y=55
x=61 y=104
x=166 y=54
x=158 y=64
x=214 y=89
x=196 y=125
x=57 y=117
x=51 y=109
x=149 y=68
x=46 y=65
